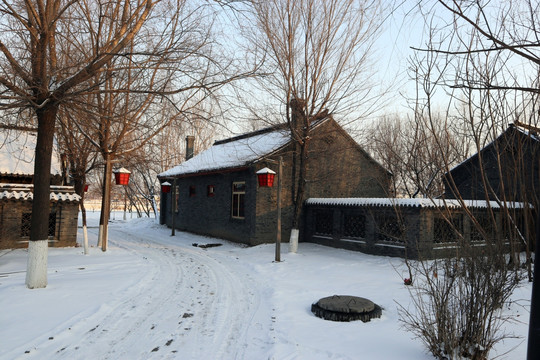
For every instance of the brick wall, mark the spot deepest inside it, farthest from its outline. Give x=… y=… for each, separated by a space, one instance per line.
x=417 y=234
x=338 y=167
x=11 y=220
x=211 y=215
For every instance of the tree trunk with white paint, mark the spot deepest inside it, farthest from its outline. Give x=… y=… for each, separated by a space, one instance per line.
x=293 y=241
x=85 y=231
x=36 y=270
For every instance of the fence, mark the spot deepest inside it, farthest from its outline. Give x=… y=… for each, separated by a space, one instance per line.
x=411 y=228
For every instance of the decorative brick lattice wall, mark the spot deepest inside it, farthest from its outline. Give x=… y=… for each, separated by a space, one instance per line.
x=405 y=231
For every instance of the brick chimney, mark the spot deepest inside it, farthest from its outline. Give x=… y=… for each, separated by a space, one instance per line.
x=190 y=143
x=297 y=116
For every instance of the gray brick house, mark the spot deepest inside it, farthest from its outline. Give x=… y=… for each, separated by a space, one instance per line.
x=16 y=193
x=217 y=193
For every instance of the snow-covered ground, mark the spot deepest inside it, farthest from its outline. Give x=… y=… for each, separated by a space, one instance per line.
x=155 y=296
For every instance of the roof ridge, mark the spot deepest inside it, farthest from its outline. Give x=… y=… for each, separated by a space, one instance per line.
x=252 y=133
x=281 y=126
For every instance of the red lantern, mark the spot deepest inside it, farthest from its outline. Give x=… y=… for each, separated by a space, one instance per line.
x=166 y=187
x=85 y=187
x=122 y=176
x=266 y=177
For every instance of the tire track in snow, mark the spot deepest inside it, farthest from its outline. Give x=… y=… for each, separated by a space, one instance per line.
x=188 y=305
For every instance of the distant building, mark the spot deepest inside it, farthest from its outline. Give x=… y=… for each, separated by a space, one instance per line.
x=217 y=193
x=507 y=169
x=17 y=146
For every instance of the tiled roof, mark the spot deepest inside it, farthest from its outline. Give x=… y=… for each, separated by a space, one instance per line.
x=402 y=202
x=24 y=192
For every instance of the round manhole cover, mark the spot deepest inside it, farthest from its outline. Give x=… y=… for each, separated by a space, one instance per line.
x=346 y=308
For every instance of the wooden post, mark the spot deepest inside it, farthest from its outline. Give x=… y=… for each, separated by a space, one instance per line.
x=106 y=204
x=125 y=202
x=278 y=235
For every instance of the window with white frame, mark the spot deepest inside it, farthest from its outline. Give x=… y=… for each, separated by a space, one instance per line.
x=238 y=199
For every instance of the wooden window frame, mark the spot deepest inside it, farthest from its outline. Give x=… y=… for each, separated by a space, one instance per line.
x=238 y=200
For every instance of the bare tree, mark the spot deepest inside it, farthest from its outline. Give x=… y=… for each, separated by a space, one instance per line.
x=165 y=150
x=474 y=61
x=407 y=148
x=110 y=56
x=80 y=156
x=475 y=57
x=131 y=89
x=318 y=64
x=33 y=74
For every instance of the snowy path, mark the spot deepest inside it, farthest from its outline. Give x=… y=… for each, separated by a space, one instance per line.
x=186 y=305
x=189 y=305
x=155 y=296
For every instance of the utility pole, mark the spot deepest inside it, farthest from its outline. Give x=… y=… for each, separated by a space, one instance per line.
x=278 y=235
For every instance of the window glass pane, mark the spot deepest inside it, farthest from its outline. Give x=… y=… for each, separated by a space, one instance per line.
x=241 y=205
x=52 y=225
x=235 y=206
x=25 y=224
x=239 y=187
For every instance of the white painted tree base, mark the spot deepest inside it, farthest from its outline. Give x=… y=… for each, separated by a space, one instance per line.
x=293 y=241
x=36 y=270
x=85 y=237
x=100 y=236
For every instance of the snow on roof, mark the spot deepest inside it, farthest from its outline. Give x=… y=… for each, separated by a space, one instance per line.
x=25 y=192
x=231 y=154
x=17 y=151
x=402 y=202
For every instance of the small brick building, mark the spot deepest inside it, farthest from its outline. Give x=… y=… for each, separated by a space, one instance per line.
x=16 y=193
x=217 y=193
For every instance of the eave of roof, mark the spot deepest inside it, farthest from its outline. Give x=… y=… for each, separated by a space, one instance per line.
x=203 y=173
x=234 y=153
x=24 y=192
x=413 y=203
